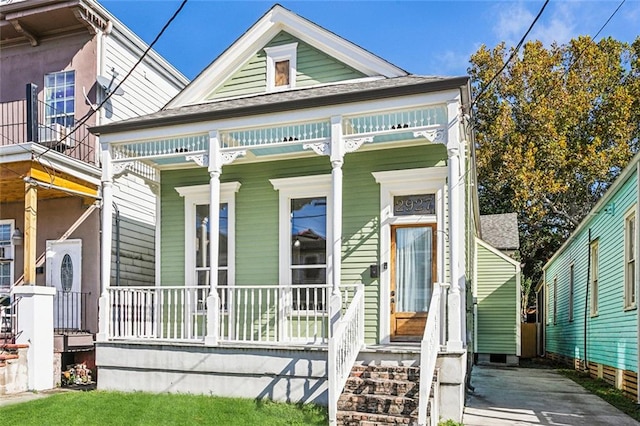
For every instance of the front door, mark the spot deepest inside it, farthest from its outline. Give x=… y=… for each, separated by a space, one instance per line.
x=64 y=261
x=413 y=272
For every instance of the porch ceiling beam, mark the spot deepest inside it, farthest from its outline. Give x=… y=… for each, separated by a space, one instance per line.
x=63 y=183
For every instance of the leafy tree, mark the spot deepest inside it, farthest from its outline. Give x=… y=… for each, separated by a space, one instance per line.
x=553 y=130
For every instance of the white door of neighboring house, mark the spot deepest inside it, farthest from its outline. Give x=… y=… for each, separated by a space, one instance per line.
x=64 y=271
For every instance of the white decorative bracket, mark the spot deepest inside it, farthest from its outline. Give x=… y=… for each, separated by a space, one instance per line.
x=352 y=145
x=201 y=160
x=432 y=135
x=321 y=148
x=119 y=168
x=229 y=157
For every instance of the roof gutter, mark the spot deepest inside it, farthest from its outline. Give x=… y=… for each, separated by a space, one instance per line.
x=313 y=102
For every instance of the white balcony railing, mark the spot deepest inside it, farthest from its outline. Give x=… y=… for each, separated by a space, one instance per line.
x=251 y=314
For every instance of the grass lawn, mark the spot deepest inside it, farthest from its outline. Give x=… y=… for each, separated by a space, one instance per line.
x=115 y=408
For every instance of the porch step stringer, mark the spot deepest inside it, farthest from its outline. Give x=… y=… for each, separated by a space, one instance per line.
x=381 y=395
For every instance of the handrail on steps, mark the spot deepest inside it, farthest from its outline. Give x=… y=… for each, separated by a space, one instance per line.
x=344 y=345
x=429 y=347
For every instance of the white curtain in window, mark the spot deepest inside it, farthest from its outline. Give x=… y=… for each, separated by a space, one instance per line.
x=413 y=269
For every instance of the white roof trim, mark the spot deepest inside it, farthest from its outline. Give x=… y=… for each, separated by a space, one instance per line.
x=275 y=20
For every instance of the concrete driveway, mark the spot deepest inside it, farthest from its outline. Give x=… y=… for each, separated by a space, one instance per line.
x=534 y=396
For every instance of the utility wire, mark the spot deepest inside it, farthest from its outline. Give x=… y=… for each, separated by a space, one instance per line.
x=515 y=51
x=92 y=111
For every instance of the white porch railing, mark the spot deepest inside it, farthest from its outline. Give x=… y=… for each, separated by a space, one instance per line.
x=429 y=348
x=250 y=314
x=345 y=343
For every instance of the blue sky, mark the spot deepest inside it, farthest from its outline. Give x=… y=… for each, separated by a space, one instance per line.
x=423 y=37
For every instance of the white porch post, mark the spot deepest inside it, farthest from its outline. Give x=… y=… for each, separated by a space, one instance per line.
x=213 y=300
x=456 y=226
x=107 y=233
x=335 y=300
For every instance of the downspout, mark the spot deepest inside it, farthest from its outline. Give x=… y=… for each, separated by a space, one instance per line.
x=586 y=300
x=115 y=208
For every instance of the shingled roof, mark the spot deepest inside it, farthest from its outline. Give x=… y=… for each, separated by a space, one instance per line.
x=500 y=230
x=288 y=100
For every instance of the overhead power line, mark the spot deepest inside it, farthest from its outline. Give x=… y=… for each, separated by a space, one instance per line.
x=513 y=54
x=92 y=111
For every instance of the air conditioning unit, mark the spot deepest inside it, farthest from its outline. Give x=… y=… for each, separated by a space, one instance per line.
x=53 y=134
x=6 y=253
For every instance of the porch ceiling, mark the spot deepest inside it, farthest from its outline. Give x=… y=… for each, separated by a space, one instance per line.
x=13 y=175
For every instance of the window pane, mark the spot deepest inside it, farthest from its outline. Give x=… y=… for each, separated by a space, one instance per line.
x=282 y=73
x=223 y=245
x=202 y=235
x=5 y=232
x=309 y=231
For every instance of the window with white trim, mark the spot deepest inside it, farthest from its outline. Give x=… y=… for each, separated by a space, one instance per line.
x=555 y=300
x=593 y=281
x=305 y=227
x=59 y=94
x=571 y=291
x=6 y=253
x=281 y=67
x=197 y=246
x=630 y=259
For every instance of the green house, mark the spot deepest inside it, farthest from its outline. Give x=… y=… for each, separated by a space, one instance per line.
x=315 y=216
x=590 y=289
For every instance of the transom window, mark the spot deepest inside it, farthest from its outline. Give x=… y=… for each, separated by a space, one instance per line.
x=59 y=89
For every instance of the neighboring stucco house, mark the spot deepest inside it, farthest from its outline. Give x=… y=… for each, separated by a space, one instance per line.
x=591 y=287
x=497 y=292
x=307 y=230
x=59 y=61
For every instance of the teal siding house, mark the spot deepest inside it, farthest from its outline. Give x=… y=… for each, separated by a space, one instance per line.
x=591 y=286
x=309 y=235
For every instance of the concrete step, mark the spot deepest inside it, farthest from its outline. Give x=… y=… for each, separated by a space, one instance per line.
x=360 y=385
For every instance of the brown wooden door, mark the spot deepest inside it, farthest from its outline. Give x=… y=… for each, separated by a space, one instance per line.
x=413 y=272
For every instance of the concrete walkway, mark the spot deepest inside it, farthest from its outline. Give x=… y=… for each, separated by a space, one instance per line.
x=17 y=398
x=534 y=396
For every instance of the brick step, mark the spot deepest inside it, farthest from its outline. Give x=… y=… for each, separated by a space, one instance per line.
x=6 y=357
x=386 y=372
x=378 y=404
x=360 y=385
x=350 y=418
x=13 y=346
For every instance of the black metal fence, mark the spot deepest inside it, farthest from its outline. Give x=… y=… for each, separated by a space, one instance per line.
x=9 y=320
x=70 y=311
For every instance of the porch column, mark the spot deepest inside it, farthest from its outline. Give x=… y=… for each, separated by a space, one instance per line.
x=454 y=341
x=337 y=152
x=213 y=300
x=106 y=236
x=30 y=232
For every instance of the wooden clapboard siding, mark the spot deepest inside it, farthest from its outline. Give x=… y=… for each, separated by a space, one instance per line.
x=497 y=294
x=313 y=67
x=147 y=89
x=612 y=337
x=257 y=216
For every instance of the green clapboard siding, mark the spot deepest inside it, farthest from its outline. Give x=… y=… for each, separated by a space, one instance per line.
x=313 y=67
x=257 y=216
x=497 y=293
x=612 y=335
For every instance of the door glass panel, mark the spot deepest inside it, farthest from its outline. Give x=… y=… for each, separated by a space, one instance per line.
x=414 y=250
